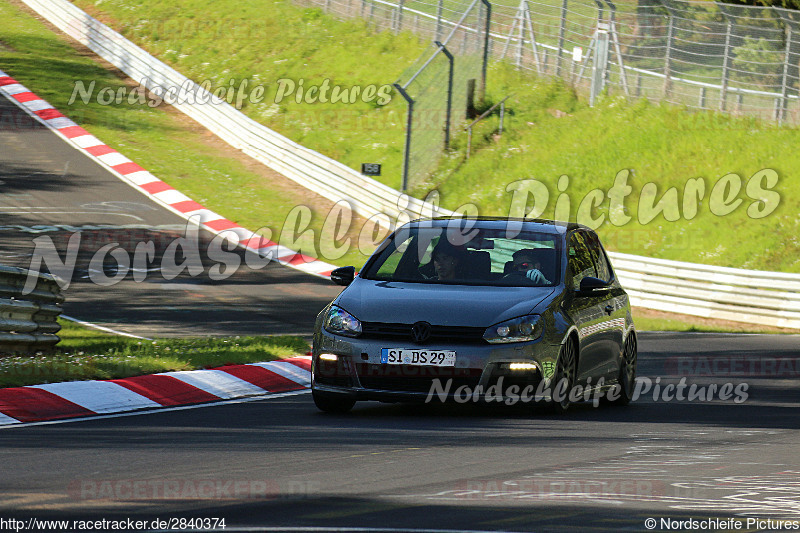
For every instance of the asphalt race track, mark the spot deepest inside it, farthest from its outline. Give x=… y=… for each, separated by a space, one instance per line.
x=49 y=189
x=278 y=464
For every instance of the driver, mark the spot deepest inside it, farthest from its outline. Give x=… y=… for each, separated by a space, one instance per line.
x=447 y=260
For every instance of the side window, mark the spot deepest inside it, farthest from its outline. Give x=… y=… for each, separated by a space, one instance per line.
x=600 y=258
x=581 y=263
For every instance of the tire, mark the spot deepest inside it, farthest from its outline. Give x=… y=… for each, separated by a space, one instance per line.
x=627 y=372
x=566 y=369
x=332 y=403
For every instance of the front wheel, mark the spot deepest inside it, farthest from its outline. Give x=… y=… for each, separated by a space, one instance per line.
x=564 y=378
x=627 y=372
x=332 y=403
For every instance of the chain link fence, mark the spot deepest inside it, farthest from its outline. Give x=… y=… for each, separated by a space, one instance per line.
x=737 y=59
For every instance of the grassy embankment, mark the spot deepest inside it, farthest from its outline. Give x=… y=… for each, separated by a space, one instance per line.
x=549 y=132
x=85 y=353
x=540 y=142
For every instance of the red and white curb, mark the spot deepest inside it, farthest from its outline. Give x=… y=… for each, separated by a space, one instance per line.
x=151 y=186
x=86 y=398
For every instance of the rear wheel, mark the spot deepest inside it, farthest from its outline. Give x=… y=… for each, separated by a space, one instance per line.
x=627 y=372
x=564 y=378
x=332 y=403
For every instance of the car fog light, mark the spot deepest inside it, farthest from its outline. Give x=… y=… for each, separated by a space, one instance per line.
x=328 y=357
x=522 y=366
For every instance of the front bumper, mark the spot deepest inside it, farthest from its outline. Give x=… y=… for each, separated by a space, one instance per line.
x=358 y=373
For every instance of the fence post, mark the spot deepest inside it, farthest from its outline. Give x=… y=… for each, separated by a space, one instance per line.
x=600 y=64
x=407 y=150
x=439 y=20
x=668 y=52
x=399 y=27
x=561 y=31
x=789 y=24
x=612 y=23
x=486 y=41
x=520 y=38
x=702 y=102
x=448 y=111
x=723 y=92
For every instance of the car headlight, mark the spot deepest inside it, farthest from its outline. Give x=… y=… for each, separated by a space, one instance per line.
x=524 y=328
x=340 y=322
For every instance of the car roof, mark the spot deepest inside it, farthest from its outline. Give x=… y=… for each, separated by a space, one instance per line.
x=485 y=222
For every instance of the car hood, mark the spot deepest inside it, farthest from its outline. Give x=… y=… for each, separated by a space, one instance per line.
x=446 y=305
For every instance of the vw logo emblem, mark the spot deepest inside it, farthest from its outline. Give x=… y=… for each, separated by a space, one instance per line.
x=421 y=331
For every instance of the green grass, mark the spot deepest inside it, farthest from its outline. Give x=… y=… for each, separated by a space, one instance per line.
x=661 y=145
x=265 y=42
x=160 y=140
x=644 y=322
x=85 y=354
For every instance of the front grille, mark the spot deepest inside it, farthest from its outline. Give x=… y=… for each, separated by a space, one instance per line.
x=439 y=334
x=410 y=378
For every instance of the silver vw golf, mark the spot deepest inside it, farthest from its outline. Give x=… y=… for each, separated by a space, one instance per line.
x=483 y=309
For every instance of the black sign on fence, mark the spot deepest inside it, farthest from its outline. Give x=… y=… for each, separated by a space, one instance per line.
x=371 y=169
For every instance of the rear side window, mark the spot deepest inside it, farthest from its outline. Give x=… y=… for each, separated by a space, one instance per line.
x=581 y=262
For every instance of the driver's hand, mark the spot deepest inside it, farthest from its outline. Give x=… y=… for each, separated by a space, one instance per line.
x=537 y=277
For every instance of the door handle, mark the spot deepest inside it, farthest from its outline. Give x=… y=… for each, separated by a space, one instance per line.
x=609 y=309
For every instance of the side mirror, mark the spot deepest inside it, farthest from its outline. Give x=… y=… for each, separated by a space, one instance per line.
x=343 y=275
x=593 y=286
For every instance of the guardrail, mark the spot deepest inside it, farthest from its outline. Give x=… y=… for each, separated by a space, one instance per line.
x=312 y=170
x=752 y=296
x=767 y=298
x=28 y=323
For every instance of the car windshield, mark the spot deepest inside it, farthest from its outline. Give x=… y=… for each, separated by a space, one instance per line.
x=481 y=257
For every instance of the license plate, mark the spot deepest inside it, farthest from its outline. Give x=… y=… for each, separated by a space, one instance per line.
x=399 y=356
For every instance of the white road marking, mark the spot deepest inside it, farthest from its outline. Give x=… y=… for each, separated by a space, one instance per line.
x=266 y=396
x=287 y=370
x=217 y=382
x=7 y=420
x=103 y=328
x=99 y=396
x=113 y=158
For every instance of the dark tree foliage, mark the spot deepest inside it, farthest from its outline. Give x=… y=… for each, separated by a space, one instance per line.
x=788 y=4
